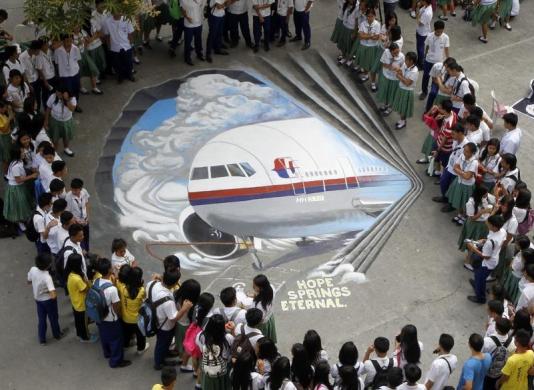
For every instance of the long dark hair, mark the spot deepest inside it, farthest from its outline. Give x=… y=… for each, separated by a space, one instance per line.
x=267 y=349
x=509 y=202
x=243 y=367
x=203 y=307
x=349 y=378
x=320 y=377
x=410 y=344
x=124 y=272
x=266 y=293
x=523 y=199
x=190 y=290
x=301 y=369
x=74 y=265
x=215 y=333
x=313 y=346
x=134 y=282
x=522 y=321
x=348 y=354
x=280 y=371
x=478 y=195
x=346 y=4
x=492 y=142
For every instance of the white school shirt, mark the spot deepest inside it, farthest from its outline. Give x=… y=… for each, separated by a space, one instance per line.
x=369 y=369
x=42 y=284
x=448 y=83
x=240 y=317
x=411 y=73
x=491 y=163
x=16 y=169
x=406 y=386
x=510 y=141
x=439 y=371
x=41 y=136
x=510 y=226
x=373 y=28
x=460 y=87
x=28 y=62
x=487 y=2
x=425 y=18
x=214 y=11
x=60 y=111
x=349 y=18
x=387 y=58
x=265 y=11
x=457 y=152
x=526 y=297
x=470 y=209
x=118 y=31
x=119 y=261
x=489 y=344
x=111 y=294
x=78 y=205
x=436 y=47
x=9 y=66
x=39 y=223
x=52 y=233
x=67 y=62
x=475 y=137
x=96 y=26
x=300 y=5
x=97 y=21
x=17 y=95
x=167 y=311
x=283 y=6
x=238 y=8
x=340 y=4
x=254 y=339
x=509 y=183
x=492 y=250
x=286 y=385
x=44 y=63
x=194 y=10
x=61 y=235
x=77 y=249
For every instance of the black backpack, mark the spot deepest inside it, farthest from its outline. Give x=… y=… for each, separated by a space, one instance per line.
x=147 y=321
x=30 y=232
x=60 y=261
x=381 y=376
x=471 y=88
x=242 y=344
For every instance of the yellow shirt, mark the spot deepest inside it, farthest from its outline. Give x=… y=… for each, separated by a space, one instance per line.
x=77 y=291
x=130 y=307
x=5 y=127
x=516 y=368
x=158 y=387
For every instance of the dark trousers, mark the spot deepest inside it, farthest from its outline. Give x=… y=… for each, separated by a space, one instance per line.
x=42 y=247
x=282 y=26
x=481 y=273
x=420 y=43
x=257 y=27
x=163 y=342
x=85 y=243
x=80 y=322
x=275 y=27
x=45 y=92
x=489 y=383
x=445 y=180
x=37 y=87
x=112 y=344
x=190 y=34
x=237 y=22
x=389 y=8
x=431 y=96
x=123 y=63
x=48 y=309
x=72 y=85
x=426 y=76
x=302 y=25
x=132 y=329
x=177 y=31
x=215 y=33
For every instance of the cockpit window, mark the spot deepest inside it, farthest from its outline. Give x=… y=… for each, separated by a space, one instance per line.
x=235 y=170
x=247 y=168
x=218 y=171
x=200 y=173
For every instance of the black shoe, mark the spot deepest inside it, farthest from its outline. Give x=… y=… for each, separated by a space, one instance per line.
x=201 y=58
x=223 y=46
x=62 y=334
x=447 y=208
x=266 y=47
x=255 y=48
x=189 y=62
x=295 y=39
x=78 y=110
x=172 y=53
x=440 y=199
x=221 y=52
x=474 y=299
x=472 y=283
x=281 y=43
x=131 y=78
x=234 y=44
x=147 y=45
x=209 y=59
x=422 y=96
x=306 y=46
x=173 y=353
x=250 y=45
x=124 y=363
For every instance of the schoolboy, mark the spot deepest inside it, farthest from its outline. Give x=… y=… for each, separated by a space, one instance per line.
x=412 y=373
x=253 y=318
x=380 y=347
x=495 y=311
x=511 y=140
x=443 y=366
x=475 y=368
x=78 y=204
x=168 y=379
x=66 y=220
x=518 y=366
x=231 y=312
x=44 y=204
x=52 y=224
x=436 y=51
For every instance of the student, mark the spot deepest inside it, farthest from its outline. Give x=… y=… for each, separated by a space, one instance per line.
x=280 y=376
x=377 y=370
x=57 y=189
x=6 y=142
x=412 y=373
x=495 y=311
x=17 y=91
x=369 y=34
x=72 y=245
x=388 y=83
x=262 y=298
x=496 y=344
x=78 y=204
x=44 y=64
x=443 y=366
x=522 y=209
x=58 y=118
x=231 y=312
x=119 y=35
x=166 y=312
x=120 y=255
x=18 y=202
x=527 y=295
x=446 y=5
x=58 y=172
x=261 y=19
x=440 y=78
x=349 y=379
x=301 y=17
x=462 y=187
x=403 y=101
x=87 y=66
x=348 y=357
x=27 y=58
x=423 y=29
x=511 y=139
x=44 y=204
x=488 y=163
x=475 y=368
x=436 y=51
x=215 y=32
x=474 y=132
x=168 y=379
x=506 y=211
x=176 y=19
x=455 y=85
x=95 y=47
x=348 y=32
x=469 y=106
x=243 y=376
x=251 y=328
x=132 y=295
x=522 y=243
x=12 y=62
x=509 y=175
x=67 y=57
x=321 y=380
x=482 y=14
x=284 y=10
x=188 y=291
x=487 y=253
x=408 y=348
x=395 y=378
x=45 y=296
x=267 y=354
x=237 y=18
x=477 y=209
x=66 y=220
x=301 y=368
x=193 y=15
x=51 y=221
x=518 y=366
x=314 y=348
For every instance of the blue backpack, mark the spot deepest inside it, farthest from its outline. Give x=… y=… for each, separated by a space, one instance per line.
x=96 y=306
x=147 y=321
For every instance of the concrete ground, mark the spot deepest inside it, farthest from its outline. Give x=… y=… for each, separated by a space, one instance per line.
x=417 y=277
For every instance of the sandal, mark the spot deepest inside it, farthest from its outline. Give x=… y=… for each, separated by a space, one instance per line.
x=482 y=39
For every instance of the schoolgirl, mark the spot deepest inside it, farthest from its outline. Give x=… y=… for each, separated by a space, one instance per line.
x=314 y=348
x=267 y=354
x=506 y=210
x=482 y=14
x=347 y=31
x=27 y=149
x=188 y=291
x=262 y=299
x=132 y=294
x=388 y=83
x=408 y=347
x=88 y=67
x=44 y=65
x=349 y=379
x=504 y=8
x=473 y=131
x=355 y=44
x=386 y=39
x=462 y=187
x=120 y=255
x=321 y=379
x=348 y=357
x=488 y=164
x=522 y=209
x=338 y=27
x=369 y=35
x=301 y=368
x=18 y=202
x=477 y=209
x=17 y=90
x=58 y=118
x=6 y=142
x=441 y=82
x=446 y=6
x=509 y=175
x=243 y=376
x=280 y=376
x=403 y=102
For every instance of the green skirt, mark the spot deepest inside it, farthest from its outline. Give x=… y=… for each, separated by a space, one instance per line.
x=440 y=98
x=98 y=56
x=220 y=383
x=179 y=334
x=337 y=30
x=6 y=143
x=88 y=67
x=377 y=65
x=403 y=102
x=355 y=48
x=344 y=40
x=386 y=89
x=18 y=203
x=458 y=194
x=268 y=329
x=482 y=14
x=426 y=149
x=505 y=8
x=366 y=56
x=164 y=16
x=473 y=230
x=58 y=129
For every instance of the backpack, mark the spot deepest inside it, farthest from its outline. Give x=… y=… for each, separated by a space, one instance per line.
x=242 y=343
x=381 y=376
x=498 y=357
x=213 y=364
x=190 y=340
x=60 y=259
x=232 y=317
x=31 y=234
x=526 y=225
x=96 y=306
x=147 y=321
x=469 y=83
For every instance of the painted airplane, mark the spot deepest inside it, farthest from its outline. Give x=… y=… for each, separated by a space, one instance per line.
x=286 y=179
